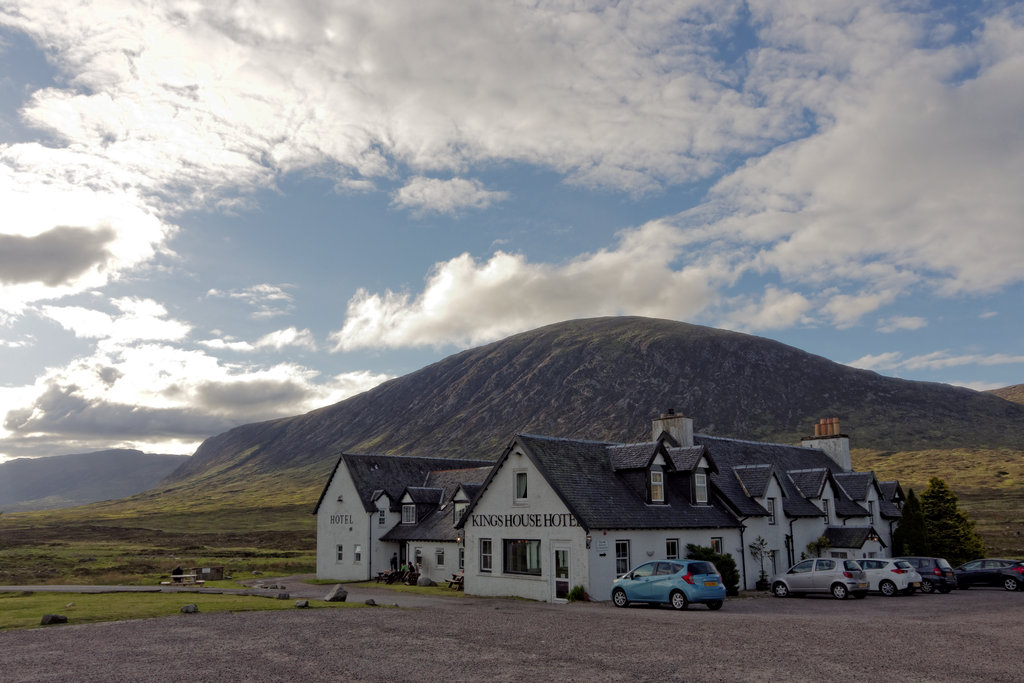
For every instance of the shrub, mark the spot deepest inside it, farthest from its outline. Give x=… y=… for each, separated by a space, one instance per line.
x=576 y=594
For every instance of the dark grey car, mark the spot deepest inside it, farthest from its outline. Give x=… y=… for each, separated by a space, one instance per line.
x=936 y=573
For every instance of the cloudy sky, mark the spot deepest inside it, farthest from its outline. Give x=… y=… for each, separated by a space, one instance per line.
x=213 y=213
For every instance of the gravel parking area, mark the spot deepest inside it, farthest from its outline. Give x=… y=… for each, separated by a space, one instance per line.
x=964 y=636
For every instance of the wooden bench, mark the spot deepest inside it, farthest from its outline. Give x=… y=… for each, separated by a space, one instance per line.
x=456 y=581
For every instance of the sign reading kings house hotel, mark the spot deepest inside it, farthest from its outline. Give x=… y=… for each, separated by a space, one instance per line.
x=563 y=519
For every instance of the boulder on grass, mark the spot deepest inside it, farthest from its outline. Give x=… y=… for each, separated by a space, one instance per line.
x=302 y=604
x=190 y=608
x=53 y=619
x=337 y=594
x=424 y=581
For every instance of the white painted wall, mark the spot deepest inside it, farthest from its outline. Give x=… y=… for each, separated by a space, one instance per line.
x=346 y=523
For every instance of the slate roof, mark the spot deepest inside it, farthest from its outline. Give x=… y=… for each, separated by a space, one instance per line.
x=391 y=474
x=754 y=478
x=810 y=482
x=892 y=494
x=435 y=514
x=730 y=453
x=856 y=484
x=686 y=458
x=850 y=536
x=582 y=474
x=631 y=456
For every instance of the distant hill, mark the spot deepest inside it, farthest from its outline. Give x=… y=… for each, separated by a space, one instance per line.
x=605 y=378
x=1014 y=393
x=67 y=480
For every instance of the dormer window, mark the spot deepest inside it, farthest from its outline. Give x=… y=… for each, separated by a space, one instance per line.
x=700 y=488
x=408 y=514
x=657 y=486
x=459 y=507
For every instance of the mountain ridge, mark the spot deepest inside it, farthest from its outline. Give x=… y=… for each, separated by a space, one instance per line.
x=604 y=378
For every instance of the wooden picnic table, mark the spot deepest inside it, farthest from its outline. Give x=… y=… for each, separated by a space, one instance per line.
x=183 y=580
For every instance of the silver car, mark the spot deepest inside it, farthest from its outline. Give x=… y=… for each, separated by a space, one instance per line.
x=890 y=577
x=841 y=578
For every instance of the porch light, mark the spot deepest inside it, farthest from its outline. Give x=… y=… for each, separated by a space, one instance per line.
x=589 y=539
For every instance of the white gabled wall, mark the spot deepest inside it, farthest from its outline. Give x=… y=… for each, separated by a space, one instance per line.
x=344 y=523
x=542 y=516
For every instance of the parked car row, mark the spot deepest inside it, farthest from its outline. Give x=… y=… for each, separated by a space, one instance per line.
x=890 y=577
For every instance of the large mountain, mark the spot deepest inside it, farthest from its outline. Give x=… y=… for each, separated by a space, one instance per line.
x=66 y=480
x=605 y=378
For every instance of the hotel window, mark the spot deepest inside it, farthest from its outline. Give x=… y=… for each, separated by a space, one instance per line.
x=462 y=558
x=716 y=544
x=439 y=556
x=657 y=487
x=418 y=556
x=825 y=505
x=621 y=557
x=357 y=554
x=485 y=555
x=522 y=556
x=871 y=510
x=771 y=511
x=520 y=483
x=672 y=549
x=340 y=553
x=459 y=509
x=408 y=514
x=382 y=517
x=700 y=485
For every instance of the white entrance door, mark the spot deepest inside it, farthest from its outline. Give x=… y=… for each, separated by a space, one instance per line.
x=560 y=576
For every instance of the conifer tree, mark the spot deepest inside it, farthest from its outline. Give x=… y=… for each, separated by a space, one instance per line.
x=948 y=531
x=910 y=537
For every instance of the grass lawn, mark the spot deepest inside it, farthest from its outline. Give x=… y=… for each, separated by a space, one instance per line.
x=25 y=610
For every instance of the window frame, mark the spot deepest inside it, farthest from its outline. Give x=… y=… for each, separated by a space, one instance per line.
x=718 y=544
x=357 y=553
x=382 y=517
x=511 y=550
x=439 y=555
x=486 y=555
x=770 y=504
x=700 y=488
x=669 y=553
x=657 y=487
x=520 y=494
x=622 y=552
x=408 y=513
x=339 y=553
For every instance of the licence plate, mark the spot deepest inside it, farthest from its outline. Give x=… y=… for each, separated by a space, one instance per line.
x=862 y=585
x=915 y=584
x=710 y=583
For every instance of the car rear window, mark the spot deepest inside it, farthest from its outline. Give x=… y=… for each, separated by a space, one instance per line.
x=903 y=564
x=702 y=568
x=943 y=564
x=851 y=565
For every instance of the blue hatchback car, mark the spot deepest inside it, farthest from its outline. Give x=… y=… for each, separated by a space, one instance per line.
x=674 y=582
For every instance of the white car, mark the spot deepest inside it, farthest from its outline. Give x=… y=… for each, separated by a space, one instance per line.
x=890 y=577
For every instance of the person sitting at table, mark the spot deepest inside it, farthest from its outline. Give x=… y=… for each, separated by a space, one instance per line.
x=176 y=574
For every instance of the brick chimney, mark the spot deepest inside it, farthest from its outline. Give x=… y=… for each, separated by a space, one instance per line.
x=679 y=427
x=828 y=438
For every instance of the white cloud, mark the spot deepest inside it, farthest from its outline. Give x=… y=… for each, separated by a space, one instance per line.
x=901 y=322
x=445 y=196
x=935 y=360
x=269 y=301
x=139 y=319
x=276 y=340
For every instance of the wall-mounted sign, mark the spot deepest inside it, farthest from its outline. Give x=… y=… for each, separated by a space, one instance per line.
x=563 y=519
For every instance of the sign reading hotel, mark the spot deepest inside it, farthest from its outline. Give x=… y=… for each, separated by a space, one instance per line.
x=563 y=519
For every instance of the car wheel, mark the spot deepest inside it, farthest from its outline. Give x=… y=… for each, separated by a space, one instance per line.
x=1011 y=584
x=678 y=600
x=619 y=598
x=780 y=590
x=887 y=588
x=839 y=591
x=716 y=604
x=946 y=590
x=927 y=586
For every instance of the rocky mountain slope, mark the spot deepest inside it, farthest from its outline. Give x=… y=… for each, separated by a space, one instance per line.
x=66 y=480
x=605 y=378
